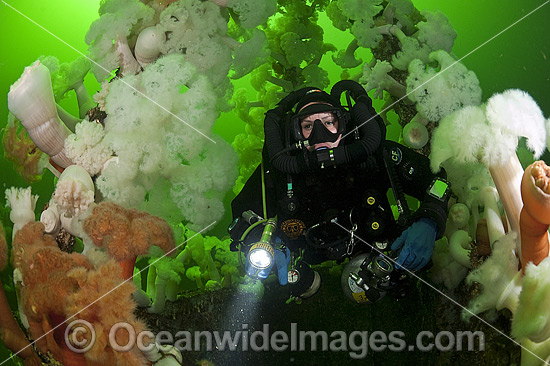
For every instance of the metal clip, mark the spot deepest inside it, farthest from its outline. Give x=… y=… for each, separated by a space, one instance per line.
x=351 y=244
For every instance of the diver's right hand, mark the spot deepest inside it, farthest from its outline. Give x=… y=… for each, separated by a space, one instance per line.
x=282 y=260
x=280 y=264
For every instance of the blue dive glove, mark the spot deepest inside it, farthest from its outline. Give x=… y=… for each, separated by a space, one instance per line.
x=281 y=264
x=417 y=244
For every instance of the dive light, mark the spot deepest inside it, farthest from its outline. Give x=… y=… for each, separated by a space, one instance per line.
x=261 y=255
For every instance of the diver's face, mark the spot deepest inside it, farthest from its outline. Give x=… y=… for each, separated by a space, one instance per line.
x=328 y=119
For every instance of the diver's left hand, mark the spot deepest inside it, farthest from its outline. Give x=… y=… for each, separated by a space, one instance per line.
x=417 y=244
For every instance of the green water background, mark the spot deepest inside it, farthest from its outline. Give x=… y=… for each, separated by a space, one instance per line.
x=518 y=56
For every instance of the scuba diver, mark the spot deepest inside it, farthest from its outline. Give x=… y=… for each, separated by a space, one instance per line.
x=322 y=188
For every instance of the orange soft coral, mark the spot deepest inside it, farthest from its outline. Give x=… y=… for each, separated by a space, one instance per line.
x=10 y=333
x=45 y=288
x=99 y=290
x=127 y=233
x=22 y=152
x=59 y=287
x=39 y=255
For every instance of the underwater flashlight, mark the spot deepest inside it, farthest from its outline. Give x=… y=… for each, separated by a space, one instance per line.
x=261 y=254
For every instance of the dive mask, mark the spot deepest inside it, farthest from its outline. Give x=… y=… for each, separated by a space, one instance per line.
x=320 y=133
x=297 y=119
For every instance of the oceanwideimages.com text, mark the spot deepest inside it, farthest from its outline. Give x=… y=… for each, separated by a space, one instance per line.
x=356 y=343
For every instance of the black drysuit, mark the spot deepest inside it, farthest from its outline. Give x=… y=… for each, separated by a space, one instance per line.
x=353 y=190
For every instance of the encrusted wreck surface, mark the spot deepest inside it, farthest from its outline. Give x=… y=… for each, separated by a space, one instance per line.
x=423 y=310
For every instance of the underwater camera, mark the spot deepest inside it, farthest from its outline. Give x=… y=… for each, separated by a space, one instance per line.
x=368 y=277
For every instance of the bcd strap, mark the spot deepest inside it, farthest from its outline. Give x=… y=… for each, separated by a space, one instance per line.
x=402 y=206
